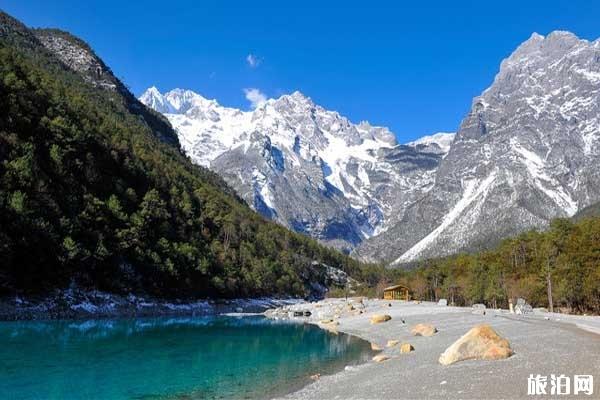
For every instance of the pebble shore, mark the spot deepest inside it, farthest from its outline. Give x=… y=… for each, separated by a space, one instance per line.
x=543 y=343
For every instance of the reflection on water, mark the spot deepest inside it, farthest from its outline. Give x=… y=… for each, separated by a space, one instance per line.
x=195 y=357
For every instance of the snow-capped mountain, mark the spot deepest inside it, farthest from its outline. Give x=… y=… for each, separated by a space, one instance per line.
x=306 y=167
x=528 y=151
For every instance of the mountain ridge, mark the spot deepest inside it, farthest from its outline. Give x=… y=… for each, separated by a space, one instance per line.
x=338 y=177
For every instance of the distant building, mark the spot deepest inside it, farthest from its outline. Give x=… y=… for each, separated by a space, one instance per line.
x=397 y=292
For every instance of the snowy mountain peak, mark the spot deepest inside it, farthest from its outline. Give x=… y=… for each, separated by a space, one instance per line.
x=183 y=100
x=152 y=91
x=562 y=35
x=535 y=37
x=176 y=101
x=155 y=100
x=299 y=96
x=307 y=167
x=295 y=101
x=540 y=48
x=437 y=143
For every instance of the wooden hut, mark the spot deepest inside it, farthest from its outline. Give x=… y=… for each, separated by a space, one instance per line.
x=396 y=292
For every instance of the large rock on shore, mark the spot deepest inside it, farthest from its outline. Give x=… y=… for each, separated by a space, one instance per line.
x=423 y=330
x=406 y=348
x=480 y=343
x=523 y=307
x=379 y=318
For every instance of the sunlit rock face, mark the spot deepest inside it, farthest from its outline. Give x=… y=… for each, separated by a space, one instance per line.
x=526 y=153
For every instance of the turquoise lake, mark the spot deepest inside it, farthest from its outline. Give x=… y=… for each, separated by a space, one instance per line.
x=167 y=358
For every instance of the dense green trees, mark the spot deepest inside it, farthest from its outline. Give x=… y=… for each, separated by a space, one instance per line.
x=90 y=194
x=559 y=267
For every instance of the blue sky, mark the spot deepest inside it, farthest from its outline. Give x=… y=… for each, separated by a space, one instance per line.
x=413 y=66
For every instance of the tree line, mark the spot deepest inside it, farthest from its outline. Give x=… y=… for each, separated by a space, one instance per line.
x=558 y=269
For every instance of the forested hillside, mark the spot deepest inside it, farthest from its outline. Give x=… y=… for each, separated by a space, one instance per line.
x=562 y=263
x=91 y=193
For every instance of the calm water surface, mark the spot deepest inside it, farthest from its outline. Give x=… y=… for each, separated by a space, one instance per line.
x=173 y=358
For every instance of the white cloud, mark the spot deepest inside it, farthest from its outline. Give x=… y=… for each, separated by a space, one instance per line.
x=253 y=60
x=255 y=97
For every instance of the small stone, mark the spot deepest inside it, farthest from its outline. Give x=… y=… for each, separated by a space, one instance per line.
x=406 y=348
x=379 y=318
x=442 y=302
x=479 y=309
x=380 y=358
x=392 y=343
x=315 y=377
x=423 y=330
x=331 y=328
x=376 y=347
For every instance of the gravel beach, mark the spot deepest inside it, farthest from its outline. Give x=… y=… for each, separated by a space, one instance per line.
x=543 y=344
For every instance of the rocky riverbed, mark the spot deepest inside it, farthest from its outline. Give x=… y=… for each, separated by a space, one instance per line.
x=542 y=343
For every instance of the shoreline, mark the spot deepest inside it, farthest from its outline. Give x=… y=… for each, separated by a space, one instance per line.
x=78 y=304
x=544 y=343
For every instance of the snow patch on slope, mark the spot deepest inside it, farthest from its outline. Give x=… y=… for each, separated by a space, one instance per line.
x=472 y=190
x=548 y=185
x=442 y=139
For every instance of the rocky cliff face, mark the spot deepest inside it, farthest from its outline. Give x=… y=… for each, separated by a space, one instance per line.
x=306 y=167
x=78 y=56
x=527 y=152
